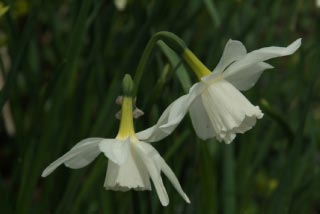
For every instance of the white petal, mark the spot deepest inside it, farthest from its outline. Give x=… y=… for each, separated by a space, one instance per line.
x=146 y=151
x=116 y=150
x=79 y=156
x=149 y=134
x=233 y=51
x=229 y=111
x=246 y=78
x=171 y=117
x=130 y=175
x=159 y=164
x=172 y=177
x=261 y=55
x=167 y=122
x=200 y=120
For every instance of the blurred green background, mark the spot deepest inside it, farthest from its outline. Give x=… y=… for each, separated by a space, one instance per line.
x=61 y=68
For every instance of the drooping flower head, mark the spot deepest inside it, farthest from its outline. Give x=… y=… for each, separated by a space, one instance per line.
x=131 y=162
x=216 y=105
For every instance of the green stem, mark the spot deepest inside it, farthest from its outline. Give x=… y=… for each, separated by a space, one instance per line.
x=229 y=182
x=170 y=39
x=195 y=64
x=278 y=118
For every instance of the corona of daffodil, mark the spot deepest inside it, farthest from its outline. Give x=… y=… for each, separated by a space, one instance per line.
x=216 y=105
x=131 y=162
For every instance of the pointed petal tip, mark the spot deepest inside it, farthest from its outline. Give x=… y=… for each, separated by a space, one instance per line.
x=299 y=40
x=295 y=45
x=186 y=198
x=45 y=173
x=49 y=169
x=266 y=65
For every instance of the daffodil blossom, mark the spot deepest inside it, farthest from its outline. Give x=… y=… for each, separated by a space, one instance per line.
x=131 y=162
x=216 y=105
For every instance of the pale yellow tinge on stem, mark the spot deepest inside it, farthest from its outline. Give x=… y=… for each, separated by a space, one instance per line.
x=126 y=123
x=196 y=65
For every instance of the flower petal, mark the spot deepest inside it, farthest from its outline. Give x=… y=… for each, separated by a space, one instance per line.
x=172 y=177
x=260 y=55
x=246 y=78
x=167 y=122
x=233 y=51
x=132 y=174
x=229 y=111
x=116 y=150
x=171 y=117
x=200 y=120
x=79 y=156
x=146 y=152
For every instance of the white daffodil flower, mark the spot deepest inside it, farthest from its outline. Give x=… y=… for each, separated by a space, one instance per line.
x=216 y=105
x=131 y=162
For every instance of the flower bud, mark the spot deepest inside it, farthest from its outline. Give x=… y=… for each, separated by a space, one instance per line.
x=127 y=85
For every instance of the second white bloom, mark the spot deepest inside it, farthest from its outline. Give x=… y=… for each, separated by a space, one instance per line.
x=217 y=107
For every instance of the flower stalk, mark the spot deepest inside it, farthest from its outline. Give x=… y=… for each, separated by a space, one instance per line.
x=195 y=64
x=170 y=39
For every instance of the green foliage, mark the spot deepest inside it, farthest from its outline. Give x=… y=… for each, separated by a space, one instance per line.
x=67 y=59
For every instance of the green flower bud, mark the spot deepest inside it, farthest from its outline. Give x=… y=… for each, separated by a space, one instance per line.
x=127 y=86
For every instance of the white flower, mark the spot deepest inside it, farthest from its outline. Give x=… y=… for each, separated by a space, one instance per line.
x=131 y=162
x=217 y=107
x=131 y=165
